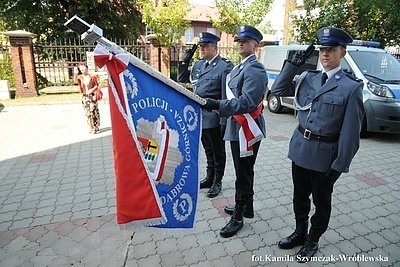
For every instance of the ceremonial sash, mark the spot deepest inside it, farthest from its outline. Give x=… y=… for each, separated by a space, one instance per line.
x=249 y=132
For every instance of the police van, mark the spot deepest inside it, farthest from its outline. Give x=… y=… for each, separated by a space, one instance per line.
x=378 y=69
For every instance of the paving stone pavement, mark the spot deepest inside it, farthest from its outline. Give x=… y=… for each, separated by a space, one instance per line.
x=57 y=202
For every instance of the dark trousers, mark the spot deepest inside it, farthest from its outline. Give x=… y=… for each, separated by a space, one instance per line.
x=244 y=170
x=214 y=147
x=307 y=182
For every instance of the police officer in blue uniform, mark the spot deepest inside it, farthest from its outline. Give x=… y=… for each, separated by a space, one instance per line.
x=208 y=76
x=330 y=113
x=247 y=84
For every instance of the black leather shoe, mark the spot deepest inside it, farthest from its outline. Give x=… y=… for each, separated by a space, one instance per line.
x=214 y=190
x=205 y=183
x=248 y=211
x=231 y=228
x=306 y=252
x=235 y=223
x=297 y=238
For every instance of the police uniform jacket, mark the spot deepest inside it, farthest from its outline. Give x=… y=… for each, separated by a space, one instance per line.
x=210 y=83
x=336 y=110
x=248 y=82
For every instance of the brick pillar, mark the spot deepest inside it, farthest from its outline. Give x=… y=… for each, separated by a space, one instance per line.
x=159 y=59
x=23 y=63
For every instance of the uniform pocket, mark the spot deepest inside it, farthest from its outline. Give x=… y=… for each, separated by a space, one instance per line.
x=333 y=105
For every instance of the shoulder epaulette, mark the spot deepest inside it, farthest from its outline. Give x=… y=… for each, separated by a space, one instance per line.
x=353 y=77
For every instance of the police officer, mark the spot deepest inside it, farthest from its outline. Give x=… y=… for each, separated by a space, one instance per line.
x=246 y=87
x=208 y=76
x=330 y=112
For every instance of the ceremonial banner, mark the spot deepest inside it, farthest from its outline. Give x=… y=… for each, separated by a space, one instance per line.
x=156 y=133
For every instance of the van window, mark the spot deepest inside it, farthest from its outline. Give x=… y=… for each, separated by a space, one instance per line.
x=275 y=62
x=377 y=66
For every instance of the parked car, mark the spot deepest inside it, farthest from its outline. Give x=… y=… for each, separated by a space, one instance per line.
x=378 y=69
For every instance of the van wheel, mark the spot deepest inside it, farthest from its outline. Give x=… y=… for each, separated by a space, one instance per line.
x=364 y=132
x=274 y=104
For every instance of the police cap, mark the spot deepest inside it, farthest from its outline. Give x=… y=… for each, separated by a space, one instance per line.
x=248 y=32
x=206 y=37
x=331 y=36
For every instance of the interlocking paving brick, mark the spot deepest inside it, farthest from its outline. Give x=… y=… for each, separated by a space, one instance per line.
x=234 y=246
x=226 y=261
x=152 y=260
x=244 y=259
x=166 y=246
x=253 y=242
x=193 y=255
x=371 y=179
x=215 y=251
x=174 y=258
x=143 y=250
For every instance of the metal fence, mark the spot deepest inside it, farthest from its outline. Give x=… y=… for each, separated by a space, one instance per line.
x=54 y=61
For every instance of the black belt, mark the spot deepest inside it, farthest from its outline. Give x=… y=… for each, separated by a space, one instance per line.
x=307 y=134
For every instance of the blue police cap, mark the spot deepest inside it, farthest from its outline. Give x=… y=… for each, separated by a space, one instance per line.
x=206 y=37
x=248 y=32
x=331 y=36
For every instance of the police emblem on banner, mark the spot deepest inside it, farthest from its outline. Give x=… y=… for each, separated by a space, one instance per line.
x=168 y=130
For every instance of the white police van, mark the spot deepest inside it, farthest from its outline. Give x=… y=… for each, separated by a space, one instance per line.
x=378 y=69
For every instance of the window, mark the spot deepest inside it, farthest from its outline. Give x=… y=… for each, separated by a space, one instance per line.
x=149 y=31
x=189 y=35
x=212 y=30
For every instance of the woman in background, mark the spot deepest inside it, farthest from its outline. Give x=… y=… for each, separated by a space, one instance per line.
x=88 y=85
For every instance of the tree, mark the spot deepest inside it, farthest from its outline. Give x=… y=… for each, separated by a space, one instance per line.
x=166 y=18
x=369 y=20
x=377 y=20
x=118 y=19
x=317 y=14
x=233 y=13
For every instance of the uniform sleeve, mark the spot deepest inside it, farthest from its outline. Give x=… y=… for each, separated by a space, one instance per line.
x=284 y=84
x=349 y=139
x=183 y=72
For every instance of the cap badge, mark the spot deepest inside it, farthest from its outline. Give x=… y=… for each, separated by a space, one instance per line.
x=326 y=32
x=242 y=28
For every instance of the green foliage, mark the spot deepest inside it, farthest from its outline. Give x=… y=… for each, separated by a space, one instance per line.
x=368 y=20
x=118 y=19
x=166 y=18
x=234 y=13
x=6 y=71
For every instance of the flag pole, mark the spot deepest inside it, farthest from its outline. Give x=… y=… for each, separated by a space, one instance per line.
x=92 y=34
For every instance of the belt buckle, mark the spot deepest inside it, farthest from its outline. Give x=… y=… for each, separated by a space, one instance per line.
x=307 y=134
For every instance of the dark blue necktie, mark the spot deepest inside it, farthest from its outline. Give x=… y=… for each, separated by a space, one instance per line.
x=324 y=78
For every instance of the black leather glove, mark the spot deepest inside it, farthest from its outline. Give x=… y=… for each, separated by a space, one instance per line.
x=188 y=54
x=332 y=175
x=211 y=104
x=300 y=57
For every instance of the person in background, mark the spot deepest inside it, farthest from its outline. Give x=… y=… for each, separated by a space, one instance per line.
x=330 y=113
x=208 y=76
x=88 y=85
x=245 y=126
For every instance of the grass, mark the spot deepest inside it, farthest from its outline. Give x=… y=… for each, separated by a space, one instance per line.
x=43 y=99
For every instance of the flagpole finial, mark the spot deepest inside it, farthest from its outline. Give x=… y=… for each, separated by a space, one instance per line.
x=89 y=33
x=92 y=35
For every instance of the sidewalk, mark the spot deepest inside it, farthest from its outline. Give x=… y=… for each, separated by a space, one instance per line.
x=57 y=202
